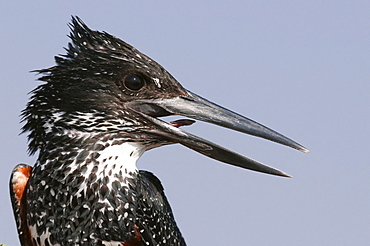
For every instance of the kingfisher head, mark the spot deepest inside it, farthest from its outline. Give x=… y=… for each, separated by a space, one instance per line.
x=104 y=85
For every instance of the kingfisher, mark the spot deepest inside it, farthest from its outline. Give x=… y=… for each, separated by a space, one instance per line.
x=95 y=113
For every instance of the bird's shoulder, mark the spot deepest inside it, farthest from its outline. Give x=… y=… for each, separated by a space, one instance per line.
x=18 y=185
x=156 y=217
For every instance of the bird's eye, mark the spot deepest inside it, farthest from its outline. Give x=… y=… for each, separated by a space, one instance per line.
x=133 y=82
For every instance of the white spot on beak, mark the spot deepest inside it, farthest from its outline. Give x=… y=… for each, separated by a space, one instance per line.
x=156 y=81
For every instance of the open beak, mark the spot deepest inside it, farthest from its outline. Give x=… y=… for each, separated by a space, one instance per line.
x=196 y=107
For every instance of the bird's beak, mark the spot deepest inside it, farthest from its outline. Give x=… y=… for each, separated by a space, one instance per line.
x=196 y=107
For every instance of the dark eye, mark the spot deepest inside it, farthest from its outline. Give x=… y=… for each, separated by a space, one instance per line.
x=133 y=82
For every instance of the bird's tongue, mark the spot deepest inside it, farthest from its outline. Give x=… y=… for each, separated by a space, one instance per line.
x=182 y=122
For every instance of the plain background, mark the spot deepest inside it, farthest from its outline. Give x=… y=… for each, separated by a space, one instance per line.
x=299 y=67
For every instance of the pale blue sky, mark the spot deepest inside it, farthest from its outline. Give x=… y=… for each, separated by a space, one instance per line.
x=299 y=67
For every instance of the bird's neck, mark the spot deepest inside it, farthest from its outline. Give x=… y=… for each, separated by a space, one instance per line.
x=93 y=157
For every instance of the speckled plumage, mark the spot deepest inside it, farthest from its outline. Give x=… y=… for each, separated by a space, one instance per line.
x=74 y=196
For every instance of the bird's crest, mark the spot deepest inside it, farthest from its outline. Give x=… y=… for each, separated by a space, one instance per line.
x=84 y=40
